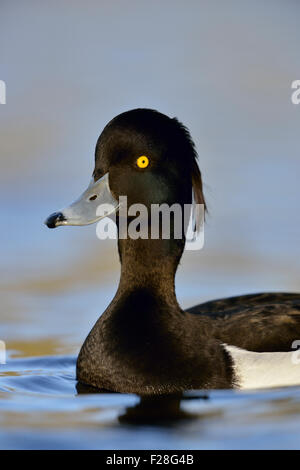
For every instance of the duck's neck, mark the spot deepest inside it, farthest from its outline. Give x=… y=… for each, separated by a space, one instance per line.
x=150 y=265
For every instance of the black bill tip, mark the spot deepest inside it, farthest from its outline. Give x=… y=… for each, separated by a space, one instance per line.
x=53 y=220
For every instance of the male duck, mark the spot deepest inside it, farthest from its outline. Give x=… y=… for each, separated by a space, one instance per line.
x=144 y=342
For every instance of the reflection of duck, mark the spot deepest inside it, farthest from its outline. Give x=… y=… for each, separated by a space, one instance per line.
x=144 y=343
x=157 y=410
x=151 y=409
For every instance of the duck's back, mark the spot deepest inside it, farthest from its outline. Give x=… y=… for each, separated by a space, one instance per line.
x=266 y=322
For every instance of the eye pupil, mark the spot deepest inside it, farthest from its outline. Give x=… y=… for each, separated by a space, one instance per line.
x=92 y=198
x=142 y=162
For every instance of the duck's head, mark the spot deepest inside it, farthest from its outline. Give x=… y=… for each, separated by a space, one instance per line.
x=141 y=154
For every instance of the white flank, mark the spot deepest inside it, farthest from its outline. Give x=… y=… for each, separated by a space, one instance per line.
x=264 y=370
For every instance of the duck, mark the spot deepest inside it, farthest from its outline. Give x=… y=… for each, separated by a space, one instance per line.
x=144 y=342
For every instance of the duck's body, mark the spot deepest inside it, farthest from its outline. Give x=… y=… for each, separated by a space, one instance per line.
x=144 y=342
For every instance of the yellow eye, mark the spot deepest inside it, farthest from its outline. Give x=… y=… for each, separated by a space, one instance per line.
x=142 y=162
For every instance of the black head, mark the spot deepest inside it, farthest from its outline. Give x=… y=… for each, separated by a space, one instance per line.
x=143 y=155
x=169 y=169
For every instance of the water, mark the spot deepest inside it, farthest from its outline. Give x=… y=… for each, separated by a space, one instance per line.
x=225 y=69
x=41 y=408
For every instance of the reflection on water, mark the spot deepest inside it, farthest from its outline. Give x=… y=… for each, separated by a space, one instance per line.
x=163 y=411
x=42 y=407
